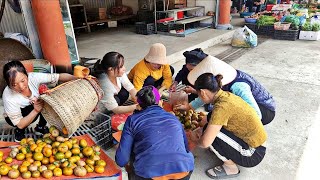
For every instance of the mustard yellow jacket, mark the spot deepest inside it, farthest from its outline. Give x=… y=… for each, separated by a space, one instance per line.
x=142 y=70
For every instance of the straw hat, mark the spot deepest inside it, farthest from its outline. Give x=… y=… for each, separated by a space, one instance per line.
x=157 y=54
x=215 y=66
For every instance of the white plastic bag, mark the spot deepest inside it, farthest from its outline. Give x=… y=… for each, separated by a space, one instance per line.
x=244 y=37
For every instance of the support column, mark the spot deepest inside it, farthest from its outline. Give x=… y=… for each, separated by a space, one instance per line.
x=51 y=33
x=224 y=15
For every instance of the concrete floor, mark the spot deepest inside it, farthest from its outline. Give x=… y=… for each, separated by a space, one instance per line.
x=134 y=46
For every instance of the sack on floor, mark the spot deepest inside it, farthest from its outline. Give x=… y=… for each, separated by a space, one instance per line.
x=244 y=37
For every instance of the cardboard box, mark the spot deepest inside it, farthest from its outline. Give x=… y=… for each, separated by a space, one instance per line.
x=309 y=35
x=102 y=13
x=112 y=24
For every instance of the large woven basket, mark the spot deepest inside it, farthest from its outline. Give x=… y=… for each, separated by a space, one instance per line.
x=69 y=104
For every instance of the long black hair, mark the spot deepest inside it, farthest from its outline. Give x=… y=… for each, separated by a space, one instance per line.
x=10 y=71
x=112 y=59
x=208 y=81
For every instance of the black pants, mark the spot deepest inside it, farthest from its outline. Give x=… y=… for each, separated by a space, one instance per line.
x=122 y=96
x=133 y=176
x=267 y=115
x=26 y=111
x=227 y=146
x=151 y=81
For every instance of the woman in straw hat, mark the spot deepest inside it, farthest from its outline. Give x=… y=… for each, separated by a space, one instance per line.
x=155 y=141
x=193 y=58
x=20 y=98
x=113 y=79
x=153 y=69
x=237 y=82
x=234 y=132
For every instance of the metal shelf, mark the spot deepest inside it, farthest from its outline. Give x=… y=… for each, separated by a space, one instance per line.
x=181 y=9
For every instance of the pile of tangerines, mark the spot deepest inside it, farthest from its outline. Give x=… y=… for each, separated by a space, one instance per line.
x=53 y=155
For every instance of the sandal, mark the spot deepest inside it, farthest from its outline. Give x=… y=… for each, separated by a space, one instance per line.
x=220 y=173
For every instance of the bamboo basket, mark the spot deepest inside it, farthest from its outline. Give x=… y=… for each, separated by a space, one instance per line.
x=69 y=104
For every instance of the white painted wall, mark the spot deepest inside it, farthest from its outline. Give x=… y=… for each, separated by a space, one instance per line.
x=133 y=4
x=210 y=5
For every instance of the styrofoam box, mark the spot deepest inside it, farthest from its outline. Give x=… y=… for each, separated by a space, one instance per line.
x=112 y=24
x=309 y=35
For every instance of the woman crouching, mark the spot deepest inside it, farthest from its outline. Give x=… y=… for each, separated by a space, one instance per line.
x=154 y=141
x=234 y=133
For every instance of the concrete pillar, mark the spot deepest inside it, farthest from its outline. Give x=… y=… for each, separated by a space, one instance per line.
x=224 y=15
x=51 y=33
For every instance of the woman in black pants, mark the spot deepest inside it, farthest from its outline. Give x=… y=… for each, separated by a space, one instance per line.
x=20 y=98
x=113 y=79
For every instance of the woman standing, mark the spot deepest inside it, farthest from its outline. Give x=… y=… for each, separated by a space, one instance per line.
x=20 y=98
x=234 y=132
x=113 y=79
x=155 y=142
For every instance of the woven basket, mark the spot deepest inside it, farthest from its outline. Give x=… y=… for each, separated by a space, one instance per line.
x=69 y=104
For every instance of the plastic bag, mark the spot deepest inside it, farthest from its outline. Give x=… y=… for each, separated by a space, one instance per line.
x=244 y=37
x=179 y=97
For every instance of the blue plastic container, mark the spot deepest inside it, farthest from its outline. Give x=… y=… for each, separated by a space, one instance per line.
x=250 y=20
x=243 y=14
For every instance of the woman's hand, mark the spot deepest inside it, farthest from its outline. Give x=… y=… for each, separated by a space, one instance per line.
x=173 y=86
x=182 y=107
x=38 y=105
x=189 y=89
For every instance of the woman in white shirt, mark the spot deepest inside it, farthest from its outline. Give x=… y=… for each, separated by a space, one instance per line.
x=114 y=81
x=20 y=98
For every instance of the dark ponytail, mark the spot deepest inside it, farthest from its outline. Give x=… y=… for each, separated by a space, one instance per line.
x=208 y=81
x=146 y=97
x=113 y=60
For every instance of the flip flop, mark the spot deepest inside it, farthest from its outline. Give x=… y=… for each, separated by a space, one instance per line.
x=220 y=173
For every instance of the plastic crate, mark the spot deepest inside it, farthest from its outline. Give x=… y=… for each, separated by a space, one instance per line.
x=143 y=28
x=291 y=35
x=265 y=30
x=102 y=132
x=251 y=26
x=166 y=27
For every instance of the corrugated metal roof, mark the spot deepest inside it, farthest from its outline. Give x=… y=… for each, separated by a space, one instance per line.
x=12 y=21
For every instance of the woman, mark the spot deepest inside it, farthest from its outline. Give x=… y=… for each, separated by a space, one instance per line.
x=20 y=98
x=155 y=141
x=237 y=82
x=234 y=130
x=113 y=79
x=153 y=69
x=193 y=58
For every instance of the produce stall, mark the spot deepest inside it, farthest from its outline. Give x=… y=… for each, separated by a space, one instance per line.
x=287 y=22
x=56 y=157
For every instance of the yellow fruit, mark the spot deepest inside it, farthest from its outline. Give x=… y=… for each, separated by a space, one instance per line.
x=30 y=159
x=23 y=150
x=52 y=167
x=55 y=144
x=29 y=155
x=35 y=174
x=23 y=141
x=38 y=156
x=90 y=161
x=47 y=152
x=57 y=172
x=8 y=160
x=51 y=159
x=83 y=143
x=69 y=144
x=20 y=157
x=59 y=156
x=45 y=161
x=37 y=163
x=38 y=149
x=87 y=151
x=101 y=163
x=23 y=169
x=99 y=169
x=72 y=159
x=4 y=169
x=67 y=171
x=26 y=163
x=13 y=174
x=64 y=131
x=26 y=175
x=47 y=174
x=63 y=147
x=1 y=153
x=15 y=166
x=67 y=154
x=75 y=151
x=33 y=147
x=89 y=168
